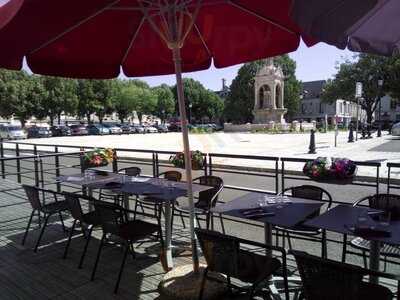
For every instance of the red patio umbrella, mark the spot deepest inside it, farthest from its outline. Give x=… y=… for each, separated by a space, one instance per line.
x=96 y=38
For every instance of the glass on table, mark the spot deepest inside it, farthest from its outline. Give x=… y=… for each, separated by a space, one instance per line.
x=384 y=218
x=362 y=219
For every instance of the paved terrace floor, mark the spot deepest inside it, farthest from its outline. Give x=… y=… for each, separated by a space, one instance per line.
x=45 y=275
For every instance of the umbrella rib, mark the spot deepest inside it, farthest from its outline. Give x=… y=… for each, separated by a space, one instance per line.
x=200 y=35
x=74 y=26
x=268 y=20
x=132 y=41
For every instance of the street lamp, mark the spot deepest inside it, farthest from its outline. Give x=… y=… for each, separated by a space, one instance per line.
x=359 y=88
x=380 y=84
x=190 y=113
x=163 y=116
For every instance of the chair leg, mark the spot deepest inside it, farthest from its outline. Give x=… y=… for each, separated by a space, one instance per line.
x=289 y=240
x=222 y=223
x=88 y=237
x=198 y=221
x=27 y=227
x=41 y=233
x=251 y=292
x=135 y=210
x=344 y=248
x=364 y=254
x=127 y=246
x=324 y=248
x=98 y=256
x=183 y=220
x=203 y=282
x=69 y=239
x=62 y=221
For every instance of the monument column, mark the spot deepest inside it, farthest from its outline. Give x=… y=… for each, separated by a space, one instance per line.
x=273 y=96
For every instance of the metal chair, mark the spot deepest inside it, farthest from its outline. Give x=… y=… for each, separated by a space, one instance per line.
x=388 y=203
x=114 y=196
x=206 y=200
x=114 y=221
x=309 y=192
x=40 y=206
x=332 y=280
x=89 y=220
x=225 y=255
x=153 y=202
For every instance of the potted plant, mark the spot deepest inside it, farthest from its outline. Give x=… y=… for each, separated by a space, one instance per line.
x=178 y=160
x=334 y=170
x=98 y=157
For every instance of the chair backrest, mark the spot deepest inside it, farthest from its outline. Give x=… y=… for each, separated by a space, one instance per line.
x=386 y=202
x=208 y=199
x=32 y=192
x=311 y=192
x=74 y=204
x=327 y=279
x=220 y=251
x=172 y=175
x=111 y=216
x=131 y=171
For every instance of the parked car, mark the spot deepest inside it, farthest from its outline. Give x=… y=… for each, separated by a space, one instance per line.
x=78 y=130
x=38 y=132
x=12 y=132
x=150 y=129
x=113 y=129
x=138 y=128
x=126 y=128
x=396 y=129
x=60 y=130
x=175 y=127
x=161 y=128
x=97 y=129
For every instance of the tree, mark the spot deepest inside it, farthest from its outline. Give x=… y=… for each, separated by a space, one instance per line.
x=165 y=102
x=368 y=69
x=204 y=102
x=61 y=97
x=124 y=102
x=145 y=102
x=104 y=95
x=239 y=104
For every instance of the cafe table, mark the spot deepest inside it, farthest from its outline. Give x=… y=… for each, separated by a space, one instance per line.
x=282 y=211
x=343 y=218
x=163 y=190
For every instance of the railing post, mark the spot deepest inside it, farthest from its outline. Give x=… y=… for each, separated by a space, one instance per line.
x=209 y=164
x=34 y=150
x=283 y=175
x=377 y=179
x=276 y=177
x=36 y=168
x=157 y=165
x=3 y=169
x=81 y=162
x=115 y=161
x=205 y=165
x=388 y=180
x=18 y=162
x=57 y=163
x=41 y=172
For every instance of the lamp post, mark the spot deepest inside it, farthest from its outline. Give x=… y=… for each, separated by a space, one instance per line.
x=190 y=113
x=380 y=84
x=163 y=116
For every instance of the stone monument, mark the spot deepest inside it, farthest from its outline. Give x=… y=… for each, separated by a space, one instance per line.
x=269 y=86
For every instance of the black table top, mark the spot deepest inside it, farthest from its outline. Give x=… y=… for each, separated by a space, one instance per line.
x=154 y=187
x=342 y=217
x=284 y=215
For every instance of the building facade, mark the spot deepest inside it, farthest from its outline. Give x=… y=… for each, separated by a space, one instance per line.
x=313 y=108
x=390 y=110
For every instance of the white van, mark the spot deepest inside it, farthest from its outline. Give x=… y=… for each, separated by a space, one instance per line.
x=12 y=132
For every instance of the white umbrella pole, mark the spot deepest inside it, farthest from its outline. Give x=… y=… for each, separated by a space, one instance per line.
x=186 y=147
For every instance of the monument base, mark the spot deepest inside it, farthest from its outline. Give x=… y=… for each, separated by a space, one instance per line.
x=265 y=115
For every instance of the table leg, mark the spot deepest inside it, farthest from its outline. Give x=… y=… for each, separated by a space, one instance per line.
x=90 y=194
x=268 y=237
x=127 y=205
x=168 y=236
x=374 y=256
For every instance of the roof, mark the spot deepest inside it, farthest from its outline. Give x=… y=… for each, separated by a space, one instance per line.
x=313 y=89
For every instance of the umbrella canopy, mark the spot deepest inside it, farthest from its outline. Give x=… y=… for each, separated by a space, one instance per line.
x=371 y=26
x=96 y=38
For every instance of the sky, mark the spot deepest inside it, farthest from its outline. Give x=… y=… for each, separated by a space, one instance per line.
x=315 y=63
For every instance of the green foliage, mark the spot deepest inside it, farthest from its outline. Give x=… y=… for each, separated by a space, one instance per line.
x=205 y=103
x=239 y=104
x=165 y=102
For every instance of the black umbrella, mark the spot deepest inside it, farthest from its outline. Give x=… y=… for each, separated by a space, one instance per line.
x=371 y=26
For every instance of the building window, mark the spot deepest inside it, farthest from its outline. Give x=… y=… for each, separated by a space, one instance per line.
x=303 y=108
x=321 y=108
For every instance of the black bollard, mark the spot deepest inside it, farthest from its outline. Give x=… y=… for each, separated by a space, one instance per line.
x=312 y=143
x=369 y=132
x=351 y=134
x=363 y=132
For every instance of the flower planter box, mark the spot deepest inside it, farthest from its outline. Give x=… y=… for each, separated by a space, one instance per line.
x=198 y=160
